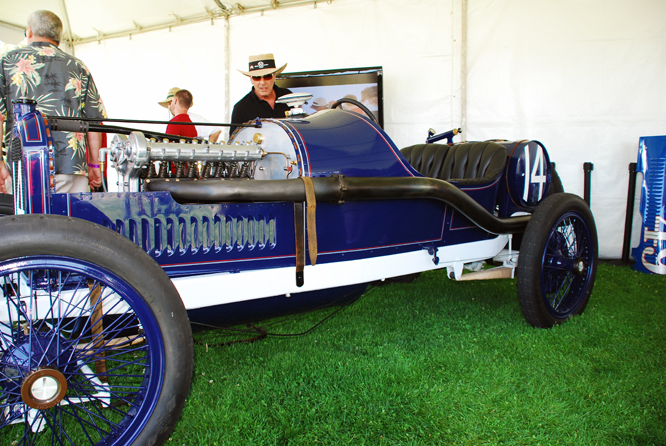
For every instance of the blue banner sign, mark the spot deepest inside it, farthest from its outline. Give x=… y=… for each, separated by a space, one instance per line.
x=650 y=254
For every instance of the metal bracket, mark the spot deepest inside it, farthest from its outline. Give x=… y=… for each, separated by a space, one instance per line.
x=432 y=250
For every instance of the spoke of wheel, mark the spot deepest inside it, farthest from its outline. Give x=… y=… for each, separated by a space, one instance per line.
x=85 y=385
x=92 y=416
x=97 y=330
x=100 y=345
x=110 y=331
x=583 y=243
x=568 y=279
x=114 y=351
x=107 y=311
x=63 y=314
x=554 y=265
x=550 y=260
x=6 y=359
x=55 y=425
x=85 y=354
x=79 y=390
x=123 y=364
x=15 y=303
x=112 y=395
x=95 y=415
x=54 y=337
x=16 y=416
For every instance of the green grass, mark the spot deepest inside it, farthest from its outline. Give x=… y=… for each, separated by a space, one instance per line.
x=443 y=362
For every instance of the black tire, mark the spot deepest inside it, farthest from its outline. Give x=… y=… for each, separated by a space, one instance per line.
x=68 y=264
x=558 y=261
x=556 y=186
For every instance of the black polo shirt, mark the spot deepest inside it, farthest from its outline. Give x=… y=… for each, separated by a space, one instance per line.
x=251 y=107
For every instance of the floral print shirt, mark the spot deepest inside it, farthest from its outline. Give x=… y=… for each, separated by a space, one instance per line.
x=62 y=86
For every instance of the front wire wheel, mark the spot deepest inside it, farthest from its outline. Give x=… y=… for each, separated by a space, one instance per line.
x=558 y=261
x=94 y=343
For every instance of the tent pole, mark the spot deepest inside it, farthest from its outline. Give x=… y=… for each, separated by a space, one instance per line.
x=463 y=71
x=459 y=66
x=227 y=104
x=68 y=28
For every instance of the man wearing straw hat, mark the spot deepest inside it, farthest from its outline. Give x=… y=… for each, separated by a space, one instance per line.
x=260 y=102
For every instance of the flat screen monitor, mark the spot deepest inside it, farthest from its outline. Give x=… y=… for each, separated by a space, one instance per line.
x=327 y=86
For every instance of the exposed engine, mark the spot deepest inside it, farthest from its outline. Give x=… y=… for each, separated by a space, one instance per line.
x=136 y=158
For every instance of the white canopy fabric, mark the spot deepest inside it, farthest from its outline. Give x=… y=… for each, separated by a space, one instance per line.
x=584 y=78
x=87 y=20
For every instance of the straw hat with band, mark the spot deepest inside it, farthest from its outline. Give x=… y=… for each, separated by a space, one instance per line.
x=172 y=92
x=263 y=64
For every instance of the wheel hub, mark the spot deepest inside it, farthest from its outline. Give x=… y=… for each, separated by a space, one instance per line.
x=36 y=367
x=579 y=266
x=43 y=388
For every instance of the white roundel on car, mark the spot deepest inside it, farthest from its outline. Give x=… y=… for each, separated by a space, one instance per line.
x=528 y=174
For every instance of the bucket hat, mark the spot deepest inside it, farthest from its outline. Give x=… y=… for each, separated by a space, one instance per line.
x=172 y=92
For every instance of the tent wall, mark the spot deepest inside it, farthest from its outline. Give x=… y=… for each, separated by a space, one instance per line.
x=409 y=41
x=132 y=75
x=583 y=77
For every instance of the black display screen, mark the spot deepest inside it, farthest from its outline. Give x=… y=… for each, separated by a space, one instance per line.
x=327 y=86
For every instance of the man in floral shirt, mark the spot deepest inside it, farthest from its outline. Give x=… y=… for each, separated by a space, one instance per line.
x=62 y=86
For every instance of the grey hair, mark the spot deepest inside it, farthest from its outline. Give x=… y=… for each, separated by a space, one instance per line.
x=45 y=24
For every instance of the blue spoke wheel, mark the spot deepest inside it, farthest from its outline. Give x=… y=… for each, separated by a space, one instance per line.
x=95 y=344
x=558 y=261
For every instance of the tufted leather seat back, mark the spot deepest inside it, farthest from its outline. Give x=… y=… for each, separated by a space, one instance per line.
x=467 y=163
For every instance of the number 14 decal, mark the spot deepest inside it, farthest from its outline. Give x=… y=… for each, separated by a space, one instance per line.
x=534 y=173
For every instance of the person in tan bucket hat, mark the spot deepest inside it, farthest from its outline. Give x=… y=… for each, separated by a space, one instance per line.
x=172 y=91
x=260 y=102
x=208 y=132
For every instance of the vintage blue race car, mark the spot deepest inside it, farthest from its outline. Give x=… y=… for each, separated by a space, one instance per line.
x=98 y=289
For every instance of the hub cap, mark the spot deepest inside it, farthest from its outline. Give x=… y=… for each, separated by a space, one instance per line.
x=43 y=388
x=579 y=266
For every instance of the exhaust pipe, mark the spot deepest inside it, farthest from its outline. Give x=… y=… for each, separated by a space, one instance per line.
x=339 y=189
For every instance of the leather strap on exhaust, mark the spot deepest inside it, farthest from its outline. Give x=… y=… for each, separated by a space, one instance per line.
x=311 y=203
x=299 y=224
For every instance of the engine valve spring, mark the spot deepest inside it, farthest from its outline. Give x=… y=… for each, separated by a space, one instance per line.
x=179 y=169
x=244 y=171
x=164 y=169
x=192 y=170
x=208 y=170
x=233 y=171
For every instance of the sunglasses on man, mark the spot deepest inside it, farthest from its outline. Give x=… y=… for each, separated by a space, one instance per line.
x=266 y=77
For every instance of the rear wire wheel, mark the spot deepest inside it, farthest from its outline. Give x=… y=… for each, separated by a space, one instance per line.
x=558 y=261
x=95 y=344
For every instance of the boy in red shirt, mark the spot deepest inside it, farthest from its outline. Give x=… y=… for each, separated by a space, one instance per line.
x=180 y=104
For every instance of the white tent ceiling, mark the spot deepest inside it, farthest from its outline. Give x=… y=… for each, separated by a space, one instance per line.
x=90 y=20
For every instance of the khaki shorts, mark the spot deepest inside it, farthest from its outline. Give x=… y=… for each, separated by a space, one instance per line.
x=66 y=184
